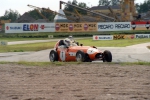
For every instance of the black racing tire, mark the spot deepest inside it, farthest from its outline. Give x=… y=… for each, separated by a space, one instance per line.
x=53 y=56
x=87 y=58
x=107 y=56
x=80 y=56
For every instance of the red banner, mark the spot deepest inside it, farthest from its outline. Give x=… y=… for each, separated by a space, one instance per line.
x=140 y=25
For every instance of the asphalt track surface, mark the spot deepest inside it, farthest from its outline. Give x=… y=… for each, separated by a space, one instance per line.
x=134 y=53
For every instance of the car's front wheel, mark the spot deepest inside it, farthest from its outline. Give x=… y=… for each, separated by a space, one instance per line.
x=80 y=56
x=107 y=56
x=53 y=56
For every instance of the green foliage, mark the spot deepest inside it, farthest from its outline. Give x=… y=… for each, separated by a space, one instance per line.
x=27 y=47
x=66 y=34
x=114 y=2
x=34 y=13
x=104 y=2
x=112 y=43
x=143 y=7
x=10 y=14
x=57 y=64
x=72 y=9
x=85 y=41
x=82 y=5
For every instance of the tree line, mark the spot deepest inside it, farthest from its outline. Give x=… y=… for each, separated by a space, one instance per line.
x=14 y=14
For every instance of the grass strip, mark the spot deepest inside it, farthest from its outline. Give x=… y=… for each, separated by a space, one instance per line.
x=53 y=64
x=85 y=42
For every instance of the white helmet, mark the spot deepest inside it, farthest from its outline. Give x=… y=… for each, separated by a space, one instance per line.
x=67 y=42
x=71 y=38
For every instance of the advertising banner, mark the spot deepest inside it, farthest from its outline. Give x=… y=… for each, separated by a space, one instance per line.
x=76 y=27
x=114 y=26
x=102 y=37
x=62 y=27
x=29 y=27
x=140 y=25
x=140 y=36
x=117 y=37
x=13 y=28
x=90 y=27
x=46 y=27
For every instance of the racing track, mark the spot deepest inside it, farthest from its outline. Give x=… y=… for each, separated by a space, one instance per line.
x=133 y=53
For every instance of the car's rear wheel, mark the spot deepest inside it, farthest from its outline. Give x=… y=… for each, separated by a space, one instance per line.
x=53 y=56
x=80 y=56
x=107 y=56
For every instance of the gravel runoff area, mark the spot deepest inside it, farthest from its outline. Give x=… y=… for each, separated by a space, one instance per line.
x=86 y=81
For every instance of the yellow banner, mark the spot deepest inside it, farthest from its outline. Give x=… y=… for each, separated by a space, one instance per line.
x=76 y=27
x=117 y=37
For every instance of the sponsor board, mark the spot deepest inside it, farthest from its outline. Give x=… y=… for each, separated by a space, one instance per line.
x=29 y=27
x=90 y=27
x=46 y=27
x=129 y=36
x=142 y=36
x=13 y=28
x=114 y=26
x=102 y=37
x=140 y=25
x=76 y=27
x=61 y=27
x=117 y=37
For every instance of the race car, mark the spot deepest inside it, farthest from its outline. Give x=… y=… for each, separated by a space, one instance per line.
x=79 y=53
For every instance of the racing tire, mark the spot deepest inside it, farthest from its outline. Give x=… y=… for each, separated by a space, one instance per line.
x=53 y=56
x=87 y=58
x=80 y=56
x=107 y=56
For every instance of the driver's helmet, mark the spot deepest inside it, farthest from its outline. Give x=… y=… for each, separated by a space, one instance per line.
x=71 y=38
x=67 y=42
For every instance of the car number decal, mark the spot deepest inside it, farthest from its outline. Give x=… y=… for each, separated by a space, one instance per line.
x=72 y=54
x=62 y=55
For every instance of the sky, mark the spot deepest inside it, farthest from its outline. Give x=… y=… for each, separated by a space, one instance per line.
x=21 y=5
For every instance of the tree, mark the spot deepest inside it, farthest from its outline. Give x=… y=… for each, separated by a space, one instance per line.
x=137 y=7
x=104 y=3
x=68 y=7
x=143 y=7
x=10 y=14
x=74 y=2
x=82 y=5
x=72 y=9
x=114 y=2
x=34 y=13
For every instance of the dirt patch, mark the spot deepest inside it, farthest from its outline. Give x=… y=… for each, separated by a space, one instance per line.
x=75 y=82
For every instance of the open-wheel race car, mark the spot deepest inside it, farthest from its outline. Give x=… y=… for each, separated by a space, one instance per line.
x=75 y=52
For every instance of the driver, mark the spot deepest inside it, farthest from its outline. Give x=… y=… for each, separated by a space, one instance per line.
x=67 y=42
x=73 y=42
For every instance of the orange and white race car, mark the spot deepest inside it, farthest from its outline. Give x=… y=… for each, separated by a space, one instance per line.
x=79 y=53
